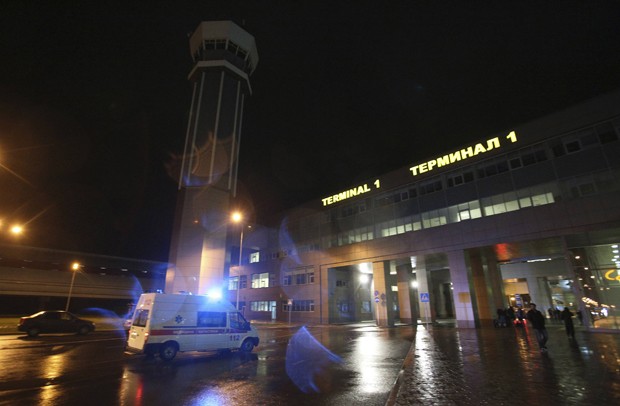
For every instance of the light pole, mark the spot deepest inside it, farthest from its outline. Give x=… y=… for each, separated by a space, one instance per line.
x=74 y=266
x=238 y=218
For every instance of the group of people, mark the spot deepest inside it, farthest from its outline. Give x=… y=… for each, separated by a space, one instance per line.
x=537 y=320
x=508 y=317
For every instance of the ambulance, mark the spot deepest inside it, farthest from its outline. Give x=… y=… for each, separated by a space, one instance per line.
x=164 y=324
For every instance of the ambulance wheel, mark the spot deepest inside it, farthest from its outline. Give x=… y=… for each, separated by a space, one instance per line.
x=247 y=346
x=168 y=351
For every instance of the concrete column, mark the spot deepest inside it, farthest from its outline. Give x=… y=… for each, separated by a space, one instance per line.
x=486 y=309
x=461 y=293
x=494 y=278
x=427 y=313
x=577 y=289
x=407 y=314
x=383 y=316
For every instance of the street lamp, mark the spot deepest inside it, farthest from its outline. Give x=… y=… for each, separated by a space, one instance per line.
x=75 y=267
x=237 y=218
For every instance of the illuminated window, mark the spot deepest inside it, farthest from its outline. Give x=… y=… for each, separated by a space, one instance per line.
x=262 y=306
x=260 y=280
x=233 y=283
x=254 y=257
x=299 y=306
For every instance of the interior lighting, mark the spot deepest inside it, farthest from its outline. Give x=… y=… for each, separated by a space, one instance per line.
x=364 y=278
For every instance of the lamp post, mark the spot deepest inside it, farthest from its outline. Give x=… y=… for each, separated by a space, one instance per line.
x=74 y=266
x=237 y=218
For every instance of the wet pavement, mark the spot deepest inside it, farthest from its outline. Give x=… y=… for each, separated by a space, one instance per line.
x=504 y=366
x=498 y=366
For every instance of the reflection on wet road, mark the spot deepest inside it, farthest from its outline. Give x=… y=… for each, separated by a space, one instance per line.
x=71 y=370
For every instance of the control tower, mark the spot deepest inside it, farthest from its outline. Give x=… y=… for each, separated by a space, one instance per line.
x=224 y=57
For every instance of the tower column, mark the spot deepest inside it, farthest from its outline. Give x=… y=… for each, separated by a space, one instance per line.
x=224 y=57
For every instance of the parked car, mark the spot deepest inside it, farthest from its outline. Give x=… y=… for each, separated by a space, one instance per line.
x=54 y=321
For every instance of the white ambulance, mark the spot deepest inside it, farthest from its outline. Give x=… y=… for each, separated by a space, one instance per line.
x=166 y=324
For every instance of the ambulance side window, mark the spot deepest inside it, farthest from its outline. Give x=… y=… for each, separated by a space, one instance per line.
x=237 y=321
x=141 y=318
x=211 y=319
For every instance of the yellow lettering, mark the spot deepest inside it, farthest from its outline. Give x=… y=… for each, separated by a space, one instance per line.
x=358 y=190
x=443 y=160
x=455 y=156
x=609 y=277
x=493 y=143
x=467 y=153
x=479 y=149
x=377 y=184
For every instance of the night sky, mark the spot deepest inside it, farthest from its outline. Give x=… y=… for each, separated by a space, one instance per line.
x=94 y=99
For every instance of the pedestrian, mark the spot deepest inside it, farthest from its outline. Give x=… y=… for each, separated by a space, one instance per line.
x=538 y=324
x=501 y=318
x=510 y=315
x=567 y=317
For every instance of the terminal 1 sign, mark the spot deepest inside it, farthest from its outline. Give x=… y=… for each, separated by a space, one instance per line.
x=447 y=159
x=461 y=154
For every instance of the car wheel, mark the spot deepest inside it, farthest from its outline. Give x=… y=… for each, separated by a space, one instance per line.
x=247 y=346
x=83 y=330
x=168 y=351
x=33 y=331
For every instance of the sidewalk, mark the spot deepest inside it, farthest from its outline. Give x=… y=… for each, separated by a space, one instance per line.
x=504 y=366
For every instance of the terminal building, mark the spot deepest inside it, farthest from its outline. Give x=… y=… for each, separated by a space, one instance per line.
x=531 y=214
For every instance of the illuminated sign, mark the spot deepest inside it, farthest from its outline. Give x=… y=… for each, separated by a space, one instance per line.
x=609 y=277
x=347 y=194
x=461 y=154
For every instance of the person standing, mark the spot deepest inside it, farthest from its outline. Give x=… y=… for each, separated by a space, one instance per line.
x=567 y=317
x=538 y=324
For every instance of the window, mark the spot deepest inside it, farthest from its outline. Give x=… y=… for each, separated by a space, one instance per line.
x=237 y=321
x=140 y=318
x=260 y=306
x=286 y=280
x=244 y=282
x=301 y=279
x=430 y=187
x=211 y=319
x=260 y=280
x=606 y=133
x=254 y=257
x=572 y=146
x=299 y=306
x=233 y=283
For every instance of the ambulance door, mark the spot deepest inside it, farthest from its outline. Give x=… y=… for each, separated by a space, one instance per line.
x=212 y=331
x=238 y=329
x=139 y=328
